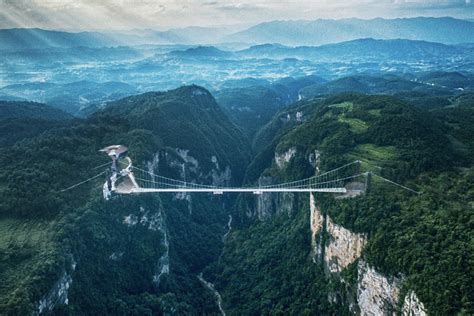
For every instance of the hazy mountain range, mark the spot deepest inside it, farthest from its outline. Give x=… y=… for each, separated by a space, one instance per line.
x=293 y=33
x=317 y=32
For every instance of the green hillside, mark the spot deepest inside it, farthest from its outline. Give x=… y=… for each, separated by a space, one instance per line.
x=142 y=254
x=253 y=106
x=425 y=237
x=46 y=233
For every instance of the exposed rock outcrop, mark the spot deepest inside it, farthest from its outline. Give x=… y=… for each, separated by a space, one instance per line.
x=376 y=294
x=284 y=158
x=317 y=223
x=412 y=306
x=270 y=204
x=163 y=265
x=314 y=160
x=154 y=221
x=221 y=177
x=58 y=294
x=188 y=162
x=211 y=288
x=343 y=246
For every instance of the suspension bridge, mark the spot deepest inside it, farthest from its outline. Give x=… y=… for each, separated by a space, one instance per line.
x=124 y=178
x=128 y=179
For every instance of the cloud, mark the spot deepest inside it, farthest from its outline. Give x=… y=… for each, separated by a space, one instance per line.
x=241 y=7
x=128 y=14
x=433 y=5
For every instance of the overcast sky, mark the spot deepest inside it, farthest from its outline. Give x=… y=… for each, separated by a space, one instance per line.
x=163 y=14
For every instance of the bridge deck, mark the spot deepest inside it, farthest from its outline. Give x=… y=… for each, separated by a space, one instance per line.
x=237 y=190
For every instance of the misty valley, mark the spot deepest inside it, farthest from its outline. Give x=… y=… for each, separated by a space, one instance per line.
x=353 y=138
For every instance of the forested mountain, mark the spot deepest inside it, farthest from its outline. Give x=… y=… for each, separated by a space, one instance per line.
x=236 y=158
x=416 y=243
x=253 y=105
x=287 y=32
x=201 y=52
x=12 y=109
x=365 y=48
x=134 y=254
x=71 y=97
x=388 y=84
x=19 y=120
x=72 y=252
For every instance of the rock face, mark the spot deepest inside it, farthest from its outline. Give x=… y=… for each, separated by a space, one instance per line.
x=270 y=204
x=412 y=306
x=284 y=158
x=163 y=265
x=221 y=177
x=58 y=294
x=317 y=223
x=186 y=165
x=376 y=294
x=314 y=160
x=343 y=246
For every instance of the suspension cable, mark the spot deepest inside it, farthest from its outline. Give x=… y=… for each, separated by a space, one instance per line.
x=82 y=182
x=103 y=165
x=394 y=183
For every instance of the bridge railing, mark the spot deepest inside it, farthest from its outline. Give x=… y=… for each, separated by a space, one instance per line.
x=330 y=181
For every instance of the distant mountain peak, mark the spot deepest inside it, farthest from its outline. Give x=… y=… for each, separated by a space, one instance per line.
x=201 y=51
x=446 y=30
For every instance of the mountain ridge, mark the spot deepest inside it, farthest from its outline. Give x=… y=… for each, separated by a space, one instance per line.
x=321 y=31
x=287 y=32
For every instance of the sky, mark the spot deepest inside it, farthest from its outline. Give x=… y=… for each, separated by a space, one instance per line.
x=164 y=14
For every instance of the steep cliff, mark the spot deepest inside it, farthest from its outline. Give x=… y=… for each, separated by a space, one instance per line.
x=341 y=246
x=376 y=294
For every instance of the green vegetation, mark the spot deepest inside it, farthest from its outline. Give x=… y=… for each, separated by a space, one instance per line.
x=425 y=237
x=44 y=231
x=206 y=131
x=254 y=105
x=21 y=120
x=374 y=155
x=251 y=107
x=13 y=109
x=267 y=269
x=28 y=249
x=263 y=267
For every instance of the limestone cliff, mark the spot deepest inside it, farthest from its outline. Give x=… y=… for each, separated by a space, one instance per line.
x=317 y=223
x=284 y=158
x=375 y=293
x=342 y=246
x=378 y=294
x=270 y=204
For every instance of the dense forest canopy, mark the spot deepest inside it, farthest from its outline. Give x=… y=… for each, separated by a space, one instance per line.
x=260 y=265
